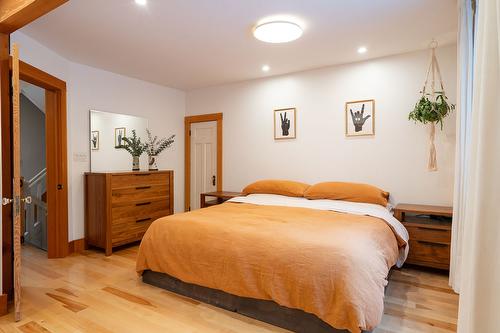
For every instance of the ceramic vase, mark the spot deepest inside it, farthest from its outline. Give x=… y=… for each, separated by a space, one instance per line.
x=152 y=163
x=135 y=163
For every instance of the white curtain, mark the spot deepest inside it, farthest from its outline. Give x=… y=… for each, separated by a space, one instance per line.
x=479 y=309
x=464 y=111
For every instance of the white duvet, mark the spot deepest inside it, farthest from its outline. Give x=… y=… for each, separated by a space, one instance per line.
x=336 y=206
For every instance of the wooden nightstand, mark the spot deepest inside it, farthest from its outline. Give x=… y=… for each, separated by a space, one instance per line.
x=220 y=197
x=430 y=234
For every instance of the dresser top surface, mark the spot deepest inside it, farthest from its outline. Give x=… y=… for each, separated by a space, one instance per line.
x=127 y=172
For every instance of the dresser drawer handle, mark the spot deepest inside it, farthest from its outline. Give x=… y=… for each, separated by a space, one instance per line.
x=143 y=204
x=142 y=174
x=143 y=220
x=142 y=187
x=432 y=244
x=432 y=229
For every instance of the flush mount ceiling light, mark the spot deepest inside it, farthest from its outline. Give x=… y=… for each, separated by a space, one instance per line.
x=362 y=50
x=141 y=2
x=266 y=68
x=277 y=31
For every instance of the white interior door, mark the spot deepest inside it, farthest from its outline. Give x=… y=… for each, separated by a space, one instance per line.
x=203 y=160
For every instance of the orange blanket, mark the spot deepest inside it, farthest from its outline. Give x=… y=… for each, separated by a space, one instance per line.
x=331 y=264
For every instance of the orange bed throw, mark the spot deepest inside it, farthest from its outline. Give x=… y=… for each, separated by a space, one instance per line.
x=331 y=264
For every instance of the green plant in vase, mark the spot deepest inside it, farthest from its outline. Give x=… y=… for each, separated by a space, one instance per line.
x=135 y=147
x=155 y=146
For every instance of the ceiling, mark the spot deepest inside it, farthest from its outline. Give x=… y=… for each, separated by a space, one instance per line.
x=188 y=44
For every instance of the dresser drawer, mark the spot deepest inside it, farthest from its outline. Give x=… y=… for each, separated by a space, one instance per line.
x=138 y=193
x=139 y=210
x=429 y=234
x=139 y=179
x=130 y=229
x=429 y=252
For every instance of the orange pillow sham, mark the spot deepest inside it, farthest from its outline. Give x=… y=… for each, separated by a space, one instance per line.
x=280 y=187
x=348 y=191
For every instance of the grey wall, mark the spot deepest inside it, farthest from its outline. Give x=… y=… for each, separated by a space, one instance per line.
x=32 y=139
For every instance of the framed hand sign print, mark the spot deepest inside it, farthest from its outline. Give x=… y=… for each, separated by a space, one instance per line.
x=360 y=118
x=284 y=123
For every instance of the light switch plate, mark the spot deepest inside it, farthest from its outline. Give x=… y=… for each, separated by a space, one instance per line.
x=80 y=157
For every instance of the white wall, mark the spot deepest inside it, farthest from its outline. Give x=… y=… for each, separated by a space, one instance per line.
x=394 y=159
x=91 y=88
x=32 y=138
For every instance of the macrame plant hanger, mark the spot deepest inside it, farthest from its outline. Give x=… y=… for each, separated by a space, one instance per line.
x=434 y=72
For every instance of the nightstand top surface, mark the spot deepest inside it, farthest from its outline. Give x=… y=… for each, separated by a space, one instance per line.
x=223 y=194
x=425 y=209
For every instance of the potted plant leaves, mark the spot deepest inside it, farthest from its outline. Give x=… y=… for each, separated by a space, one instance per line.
x=431 y=109
x=135 y=147
x=433 y=106
x=154 y=147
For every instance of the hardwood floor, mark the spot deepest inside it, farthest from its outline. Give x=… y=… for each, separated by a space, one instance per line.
x=94 y=293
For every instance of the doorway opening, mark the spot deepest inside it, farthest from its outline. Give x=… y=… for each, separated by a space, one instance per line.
x=203 y=157
x=33 y=166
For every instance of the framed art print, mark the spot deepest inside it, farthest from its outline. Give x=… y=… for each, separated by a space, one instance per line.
x=120 y=133
x=360 y=118
x=94 y=140
x=285 y=123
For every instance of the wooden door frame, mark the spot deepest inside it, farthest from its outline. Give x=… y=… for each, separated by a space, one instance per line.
x=187 y=157
x=7 y=225
x=56 y=156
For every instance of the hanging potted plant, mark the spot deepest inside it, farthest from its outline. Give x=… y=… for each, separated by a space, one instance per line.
x=154 y=147
x=135 y=147
x=432 y=107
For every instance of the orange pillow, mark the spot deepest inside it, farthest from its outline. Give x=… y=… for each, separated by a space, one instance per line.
x=281 y=187
x=348 y=191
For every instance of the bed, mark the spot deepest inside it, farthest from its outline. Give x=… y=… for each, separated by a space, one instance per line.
x=305 y=265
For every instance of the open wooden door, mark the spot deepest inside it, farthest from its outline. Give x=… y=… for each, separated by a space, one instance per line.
x=16 y=181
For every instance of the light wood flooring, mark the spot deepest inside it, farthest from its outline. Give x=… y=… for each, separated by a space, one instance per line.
x=94 y=293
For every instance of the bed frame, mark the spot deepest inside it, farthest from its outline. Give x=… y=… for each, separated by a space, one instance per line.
x=267 y=311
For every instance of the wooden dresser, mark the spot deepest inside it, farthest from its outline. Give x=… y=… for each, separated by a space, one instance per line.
x=430 y=234
x=119 y=207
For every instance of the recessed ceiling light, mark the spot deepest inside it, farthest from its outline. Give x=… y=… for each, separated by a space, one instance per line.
x=277 y=32
x=141 y=2
x=362 y=50
x=266 y=68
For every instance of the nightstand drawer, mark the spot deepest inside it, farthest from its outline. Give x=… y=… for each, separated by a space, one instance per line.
x=429 y=234
x=429 y=252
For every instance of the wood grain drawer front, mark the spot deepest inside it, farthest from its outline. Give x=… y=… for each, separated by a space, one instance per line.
x=428 y=251
x=130 y=229
x=138 y=193
x=139 y=210
x=139 y=179
x=429 y=234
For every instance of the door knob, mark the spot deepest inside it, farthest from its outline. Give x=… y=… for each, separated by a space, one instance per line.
x=6 y=201
x=59 y=186
x=27 y=200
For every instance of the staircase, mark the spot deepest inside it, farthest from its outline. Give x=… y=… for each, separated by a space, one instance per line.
x=35 y=214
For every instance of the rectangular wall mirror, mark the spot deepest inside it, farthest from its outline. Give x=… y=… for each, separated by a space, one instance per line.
x=106 y=141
